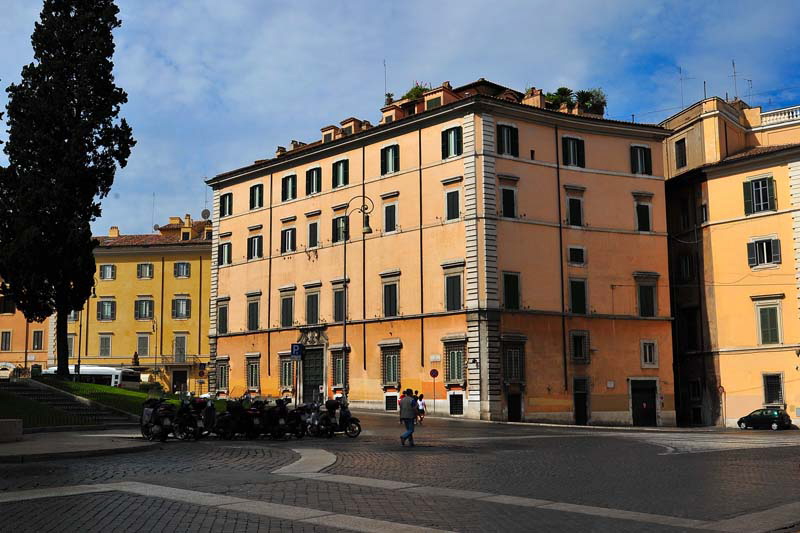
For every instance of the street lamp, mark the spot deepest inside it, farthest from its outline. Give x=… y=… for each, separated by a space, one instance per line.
x=364 y=205
x=80 y=327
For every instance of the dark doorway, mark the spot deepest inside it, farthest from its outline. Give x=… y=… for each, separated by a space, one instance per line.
x=312 y=374
x=179 y=380
x=643 y=402
x=580 y=387
x=514 y=407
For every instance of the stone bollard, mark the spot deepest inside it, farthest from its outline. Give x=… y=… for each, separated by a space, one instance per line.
x=10 y=430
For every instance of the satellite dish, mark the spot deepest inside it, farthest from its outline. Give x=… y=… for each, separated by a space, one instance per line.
x=155 y=227
x=205 y=213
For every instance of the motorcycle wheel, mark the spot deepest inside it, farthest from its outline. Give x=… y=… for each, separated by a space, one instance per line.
x=352 y=430
x=299 y=432
x=146 y=433
x=278 y=433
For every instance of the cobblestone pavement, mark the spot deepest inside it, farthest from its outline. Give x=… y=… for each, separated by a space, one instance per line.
x=695 y=476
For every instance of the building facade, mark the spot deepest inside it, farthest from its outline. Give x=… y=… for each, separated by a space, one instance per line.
x=733 y=192
x=149 y=307
x=517 y=254
x=22 y=343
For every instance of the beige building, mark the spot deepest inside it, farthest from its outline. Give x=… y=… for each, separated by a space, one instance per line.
x=517 y=253
x=733 y=193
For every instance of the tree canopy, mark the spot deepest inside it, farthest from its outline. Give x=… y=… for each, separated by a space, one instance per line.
x=66 y=139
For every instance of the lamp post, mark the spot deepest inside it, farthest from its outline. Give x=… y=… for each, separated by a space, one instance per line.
x=80 y=327
x=365 y=206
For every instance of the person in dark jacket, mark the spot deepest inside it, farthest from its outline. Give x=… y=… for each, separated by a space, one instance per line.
x=408 y=414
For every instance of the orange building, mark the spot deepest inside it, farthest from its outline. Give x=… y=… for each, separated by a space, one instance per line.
x=519 y=252
x=22 y=343
x=733 y=192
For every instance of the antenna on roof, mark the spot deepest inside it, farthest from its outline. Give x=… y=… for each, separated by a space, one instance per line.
x=153 y=214
x=682 y=79
x=749 y=89
x=385 y=84
x=735 y=86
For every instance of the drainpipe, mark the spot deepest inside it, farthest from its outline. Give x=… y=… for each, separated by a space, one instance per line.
x=561 y=264
x=269 y=290
x=421 y=272
x=161 y=318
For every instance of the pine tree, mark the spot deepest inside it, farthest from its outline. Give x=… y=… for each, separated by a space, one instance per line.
x=65 y=142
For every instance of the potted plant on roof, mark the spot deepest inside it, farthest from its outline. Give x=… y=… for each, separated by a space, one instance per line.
x=591 y=101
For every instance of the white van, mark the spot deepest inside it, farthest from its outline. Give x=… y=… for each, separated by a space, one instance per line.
x=102 y=375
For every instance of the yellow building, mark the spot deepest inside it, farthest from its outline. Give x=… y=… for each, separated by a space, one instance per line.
x=22 y=343
x=519 y=254
x=149 y=307
x=733 y=193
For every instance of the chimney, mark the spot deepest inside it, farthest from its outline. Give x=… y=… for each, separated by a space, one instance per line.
x=280 y=151
x=296 y=144
x=534 y=97
x=447 y=86
x=113 y=231
x=187 y=220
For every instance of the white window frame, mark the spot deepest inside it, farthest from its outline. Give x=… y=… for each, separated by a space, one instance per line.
x=285 y=231
x=578 y=140
x=769 y=303
x=223 y=376
x=319 y=169
x=386 y=149
x=152 y=307
x=396 y=212
x=255 y=238
x=3 y=335
x=636 y=204
x=226 y=205
x=140 y=267
x=41 y=340
x=185 y=314
x=188 y=269
x=249 y=363
x=112 y=314
x=337 y=180
x=642 y=163
x=764 y=389
x=762 y=204
x=112 y=269
x=516 y=207
x=460 y=274
x=139 y=337
x=335 y=222
x=642 y=353
x=390 y=281
x=100 y=350
x=759 y=242
x=583 y=214
x=226 y=251
x=451 y=144
x=285 y=179
x=286 y=377
x=71 y=344
x=260 y=202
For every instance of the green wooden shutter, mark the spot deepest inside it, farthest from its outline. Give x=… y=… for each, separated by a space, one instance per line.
x=99 y=310
x=515 y=142
x=136 y=315
x=501 y=142
x=396 y=157
x=648 y=162
x=309 y=178
x=634 y=161
x=346 y=166
x=581 y=154
x=771 y=190
x=174 y=308
x=113 y=310
x=444 y=145
x=776 y=250
x=384 y=157
x=459 y=141
x=748 y=197
x=175 y=270
x=565 y=160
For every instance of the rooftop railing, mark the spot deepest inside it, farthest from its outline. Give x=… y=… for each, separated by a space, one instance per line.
x=786 y=114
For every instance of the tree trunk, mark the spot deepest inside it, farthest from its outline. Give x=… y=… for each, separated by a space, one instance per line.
x=62 y=350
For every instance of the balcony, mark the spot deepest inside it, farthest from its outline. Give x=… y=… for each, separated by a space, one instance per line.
x=787 y=114
x=179 y=360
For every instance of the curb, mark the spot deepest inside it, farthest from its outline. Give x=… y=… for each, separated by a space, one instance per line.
x=36 y=457
x=87 y=427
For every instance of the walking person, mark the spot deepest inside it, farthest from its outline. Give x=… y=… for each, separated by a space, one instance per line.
x=421 y=408
x=408 y=414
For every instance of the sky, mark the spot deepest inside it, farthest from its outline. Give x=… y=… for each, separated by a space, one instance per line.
x=213 y=86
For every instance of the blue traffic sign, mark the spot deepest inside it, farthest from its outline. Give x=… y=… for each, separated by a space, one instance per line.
x=298 y=350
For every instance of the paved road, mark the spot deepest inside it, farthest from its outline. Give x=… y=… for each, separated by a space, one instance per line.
x=462 y=476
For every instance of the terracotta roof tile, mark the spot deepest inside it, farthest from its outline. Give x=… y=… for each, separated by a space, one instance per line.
x=149 y=240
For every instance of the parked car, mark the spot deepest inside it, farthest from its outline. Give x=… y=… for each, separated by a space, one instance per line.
x=767 y=419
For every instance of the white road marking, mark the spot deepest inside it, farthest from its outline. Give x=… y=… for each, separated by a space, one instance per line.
x=35 y=494
x=509 y=437
x=769 y=520
x=448 y=492
x=311 y=460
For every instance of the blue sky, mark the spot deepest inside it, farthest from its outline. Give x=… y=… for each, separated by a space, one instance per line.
x=215 y=85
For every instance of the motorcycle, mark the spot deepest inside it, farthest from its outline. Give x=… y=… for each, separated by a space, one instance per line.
x=238 y=420
x=275 y=420
x=156 y=420
x=297 y=421
x=347 y=423
x=193 y=418
x=314 y=416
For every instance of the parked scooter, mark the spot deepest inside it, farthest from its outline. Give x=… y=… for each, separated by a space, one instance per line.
x=235 y=421
x=297 y=420
x=347 y=423
x=157 y=419
x=275 y=420
x=194 y=417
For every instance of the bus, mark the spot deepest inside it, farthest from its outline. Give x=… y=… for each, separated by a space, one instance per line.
x=103 y=375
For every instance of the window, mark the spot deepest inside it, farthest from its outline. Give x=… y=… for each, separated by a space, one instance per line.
x=70 y=344
x=313 y=181
x=641 y=160
x=5 y=341
x=347 y=131
x=143 y=345
x=579 y=346
x=390 y=218
x=452 y=292
x=703 y=213
x=341 y=170
x=340 y=229
x=287 y=311
x=454 y=362
x=288 y=188
x=287 y=373
x=209 y=234
x=643 y=216
x=224 y=253
x=108 y=271
x=452 y=210
x=649 y=351
x=143 y=309
x=514 y=362
x=105 y=345
x=433 y=103
x=577 y=296
x=451 y=142
x=222 y=318
x=181 y=308
x=7 y=307
x=223 y=373
x=255 y=247
x=338 y=305
x=574 y=211
x=313 y=234
x=511 y=290
x=768 y=324
x=106 y=310
x=288 y=240
x=390 y=307
x=647 y=300
x=73 y=315
x=680 y=153
x=257 y=196
x=773 y=389
x=390 y=361
x=312 y=308
x=339 y=366
x=179 y=348
x=182 y=270
x=576 y=256
x=574 y=152
x=37 y=343
x=687 y=267
x=759 y=195
x=185 y=235
x=390 y=159
x=509 y=205
x=328 y=137
x=252 y=315
x=144 y=271
x=763 y=252
x=226 y=205
x=508 y=140
x=253 y=373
